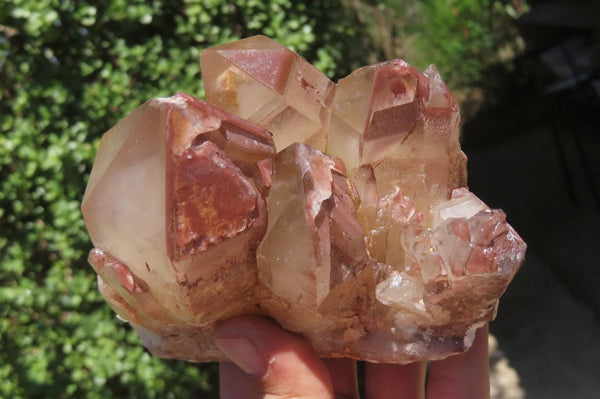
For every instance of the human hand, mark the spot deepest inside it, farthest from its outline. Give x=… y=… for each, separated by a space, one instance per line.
x=269 y=362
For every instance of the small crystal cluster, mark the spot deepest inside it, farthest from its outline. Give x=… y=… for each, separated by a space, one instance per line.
x=338 y=210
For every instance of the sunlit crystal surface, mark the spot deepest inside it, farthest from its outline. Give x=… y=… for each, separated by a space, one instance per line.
x=374 y=250
x=406 y=128
x=264 y=82
x=175 y=210
x=310 y=200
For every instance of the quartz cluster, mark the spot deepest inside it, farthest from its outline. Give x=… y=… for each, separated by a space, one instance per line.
x=341 y=211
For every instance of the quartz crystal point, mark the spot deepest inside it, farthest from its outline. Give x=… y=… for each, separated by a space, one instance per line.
x=174 y=206
x=311 y=201
x=374 y=250
x=405 y=125
x=266 y=83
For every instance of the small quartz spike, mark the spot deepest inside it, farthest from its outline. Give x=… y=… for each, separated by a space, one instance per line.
x=175 y=209
x=266 y=83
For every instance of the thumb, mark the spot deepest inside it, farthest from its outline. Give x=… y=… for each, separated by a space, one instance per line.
x=269 y=362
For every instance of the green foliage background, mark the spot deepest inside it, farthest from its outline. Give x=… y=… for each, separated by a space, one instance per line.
x=69 y=70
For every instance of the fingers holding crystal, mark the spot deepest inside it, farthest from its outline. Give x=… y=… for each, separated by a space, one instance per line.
x=277 y=364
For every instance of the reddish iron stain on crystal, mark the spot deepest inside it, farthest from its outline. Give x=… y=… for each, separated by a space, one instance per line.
x=375 y=251
x=268 y=84
x=215 y=201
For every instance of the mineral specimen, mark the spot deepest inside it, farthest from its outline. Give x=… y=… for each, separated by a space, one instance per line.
x=375 y=250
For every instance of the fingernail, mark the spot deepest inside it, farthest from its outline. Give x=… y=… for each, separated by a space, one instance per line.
x=244 y=353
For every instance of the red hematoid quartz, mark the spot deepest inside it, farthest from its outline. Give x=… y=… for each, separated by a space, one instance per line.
x=339 y=210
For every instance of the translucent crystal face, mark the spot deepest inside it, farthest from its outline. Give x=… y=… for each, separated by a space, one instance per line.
x=311 y=201
x=406 y=129
x=374 y=251
x=175 y=209
x=268 y=84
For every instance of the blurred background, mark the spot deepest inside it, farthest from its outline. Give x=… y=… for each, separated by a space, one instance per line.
x=524 y=72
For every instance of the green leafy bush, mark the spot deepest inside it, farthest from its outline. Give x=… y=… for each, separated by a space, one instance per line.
x=462 y=37
x=465 y=37
x=69 y=70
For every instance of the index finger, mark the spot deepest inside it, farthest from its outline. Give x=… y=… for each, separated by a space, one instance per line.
x=391 y=381
x=464 y=376
x=343 y=377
